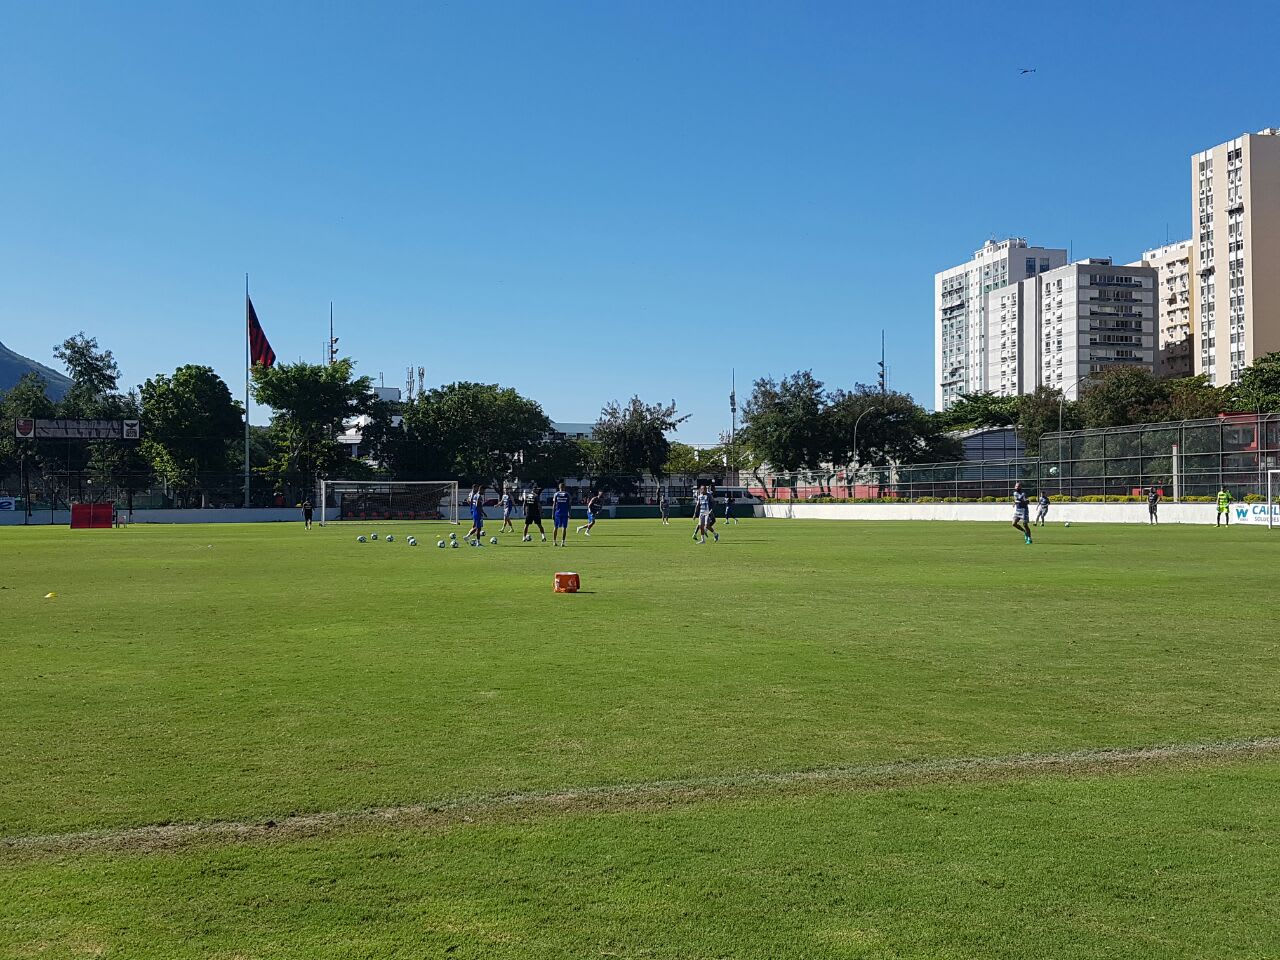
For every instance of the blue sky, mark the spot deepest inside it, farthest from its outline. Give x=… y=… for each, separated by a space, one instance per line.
x=583 y=200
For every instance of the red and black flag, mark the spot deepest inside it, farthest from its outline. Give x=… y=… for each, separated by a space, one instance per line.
x=260 y=351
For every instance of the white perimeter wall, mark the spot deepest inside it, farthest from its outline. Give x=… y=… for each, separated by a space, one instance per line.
x=252 y=515
x=1248 y=513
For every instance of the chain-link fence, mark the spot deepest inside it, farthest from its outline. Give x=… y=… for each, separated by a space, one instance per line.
x=1190 y=459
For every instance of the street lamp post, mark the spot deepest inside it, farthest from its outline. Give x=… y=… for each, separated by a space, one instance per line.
x=1061 y=403
x=853 y=486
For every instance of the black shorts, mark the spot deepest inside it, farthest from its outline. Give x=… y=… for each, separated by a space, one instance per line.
x=532 y=515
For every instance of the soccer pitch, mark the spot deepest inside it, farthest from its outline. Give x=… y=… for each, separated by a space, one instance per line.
x=813 y=739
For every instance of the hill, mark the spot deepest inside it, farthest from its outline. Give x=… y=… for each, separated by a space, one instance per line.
x=14 y=365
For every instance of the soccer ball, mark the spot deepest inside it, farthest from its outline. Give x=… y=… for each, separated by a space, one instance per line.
x=373 y=536
x=440 y=544
x=493 y=539
x=412 y=542
x=1067 y=524
x=526 y=539
x=390 y=538
x=454 y=544
x=360 y=539
x=453 y=536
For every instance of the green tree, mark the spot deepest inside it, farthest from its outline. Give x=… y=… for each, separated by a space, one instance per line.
x=1038 y=414
x=1259 y=386
x=190 y=427
x=310 y=404
x=26 y=398
x=784 y=423
x=977 y=410
x=1187 y=398
x=1119 y=396
x=94 y=375
x=476 y=432
x=632 y=437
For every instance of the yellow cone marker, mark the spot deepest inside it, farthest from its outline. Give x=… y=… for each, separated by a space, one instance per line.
x=50 y=596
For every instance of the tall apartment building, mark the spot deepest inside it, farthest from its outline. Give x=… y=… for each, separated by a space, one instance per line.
x=1061 y=326
x=1175 y=307
x=1235 y=203
x=963 y=344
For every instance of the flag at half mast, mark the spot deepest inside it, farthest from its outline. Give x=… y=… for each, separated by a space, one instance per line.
x=260 y=351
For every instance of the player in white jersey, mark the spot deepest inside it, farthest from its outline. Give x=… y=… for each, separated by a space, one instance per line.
x=507 y=503
x=705 y=506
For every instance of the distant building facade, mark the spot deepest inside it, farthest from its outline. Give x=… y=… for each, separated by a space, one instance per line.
x=964 y=339
x=1235 y=205
x=1175 y=307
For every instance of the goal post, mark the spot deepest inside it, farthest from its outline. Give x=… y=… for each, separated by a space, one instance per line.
x=380 y=501
x=1273 y=493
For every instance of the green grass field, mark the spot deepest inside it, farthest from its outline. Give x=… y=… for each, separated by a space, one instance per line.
x=809 y=740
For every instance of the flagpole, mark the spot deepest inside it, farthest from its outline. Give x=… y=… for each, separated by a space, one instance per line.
x=246 y=391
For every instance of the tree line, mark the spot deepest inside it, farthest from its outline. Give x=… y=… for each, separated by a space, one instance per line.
x=193 y=428
x=1118 y=397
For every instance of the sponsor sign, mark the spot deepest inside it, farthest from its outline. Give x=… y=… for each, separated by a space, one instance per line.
x=8 y=503
x=77 y=429
x=1254 y=513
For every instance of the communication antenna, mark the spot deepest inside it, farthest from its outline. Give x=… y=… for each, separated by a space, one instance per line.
x=422 y=376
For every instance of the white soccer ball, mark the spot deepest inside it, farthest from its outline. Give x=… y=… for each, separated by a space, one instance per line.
x=493 y=539
x=1067 y=524
x=360 y=539
x=373 y=536
x=390 y=538
x=412 y=542
x=440 y=544
x=453 y=536
x=454 y=544
x=526 y=539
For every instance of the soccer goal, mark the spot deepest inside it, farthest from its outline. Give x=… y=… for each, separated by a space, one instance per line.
x=1273 y=494
x=374 y=501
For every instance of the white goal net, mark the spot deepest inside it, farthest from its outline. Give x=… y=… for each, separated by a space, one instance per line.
x=375 y=501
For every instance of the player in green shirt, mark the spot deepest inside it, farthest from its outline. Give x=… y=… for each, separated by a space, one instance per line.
x=1224 y=507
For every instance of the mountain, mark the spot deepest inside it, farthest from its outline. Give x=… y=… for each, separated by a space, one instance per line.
x=14 y=365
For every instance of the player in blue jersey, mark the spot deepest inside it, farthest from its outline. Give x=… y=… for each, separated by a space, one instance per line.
x=728 y=509
x=507 y=503
x=593 y=511
x=1022 y=511
x=1042 y=501
x=476 y=502
x=560 y=515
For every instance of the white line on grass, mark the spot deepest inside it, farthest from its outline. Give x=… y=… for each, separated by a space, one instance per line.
x=650 y=793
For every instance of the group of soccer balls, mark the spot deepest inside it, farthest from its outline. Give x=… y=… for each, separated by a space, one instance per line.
x=453 y=540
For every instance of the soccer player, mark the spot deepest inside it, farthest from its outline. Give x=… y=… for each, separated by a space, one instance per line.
x=1043 y=501
x=705 y=507
x=306 y=514
x=560 y=515
x=1224 y=507
x=728 y=509
x=507 y=502
x=593 y=511
x=1153 y=501
x=533 y=513
x=477 y=512
x=664 y=507
x=1021 y=511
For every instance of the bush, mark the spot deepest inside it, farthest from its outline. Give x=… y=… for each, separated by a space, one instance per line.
x=1254 y=498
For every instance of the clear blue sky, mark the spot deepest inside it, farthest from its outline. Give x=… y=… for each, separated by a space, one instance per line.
x=584 y=200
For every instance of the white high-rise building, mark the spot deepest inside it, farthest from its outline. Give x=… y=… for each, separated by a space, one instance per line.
x=963 y=343
x=1235 y=219
x=1059 y=327
x=1175 y=303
